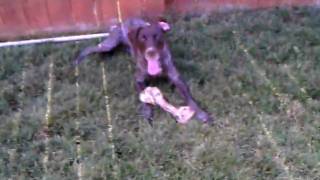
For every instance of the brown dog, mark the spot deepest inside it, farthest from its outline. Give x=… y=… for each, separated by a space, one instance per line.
x=152 y=56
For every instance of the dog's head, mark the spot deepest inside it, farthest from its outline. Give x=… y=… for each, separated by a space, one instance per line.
x=149 y=41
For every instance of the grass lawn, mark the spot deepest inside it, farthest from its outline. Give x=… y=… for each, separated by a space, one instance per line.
x=257 y=71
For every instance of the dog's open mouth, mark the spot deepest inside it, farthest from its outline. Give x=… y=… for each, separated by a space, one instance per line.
x=154 y=67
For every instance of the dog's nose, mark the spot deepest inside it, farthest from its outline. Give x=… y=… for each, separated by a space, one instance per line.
x=151 y=52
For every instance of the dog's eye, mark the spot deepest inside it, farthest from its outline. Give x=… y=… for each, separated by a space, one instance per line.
x=155 y=36
x=144 y=37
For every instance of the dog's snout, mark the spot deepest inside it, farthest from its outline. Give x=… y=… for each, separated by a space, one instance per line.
x=151 y=52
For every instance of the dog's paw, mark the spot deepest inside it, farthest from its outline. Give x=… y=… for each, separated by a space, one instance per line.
x=147 y=113
x=205 y=117
x=75 y=62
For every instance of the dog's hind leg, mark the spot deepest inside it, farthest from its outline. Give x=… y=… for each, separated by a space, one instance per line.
x=112 y=41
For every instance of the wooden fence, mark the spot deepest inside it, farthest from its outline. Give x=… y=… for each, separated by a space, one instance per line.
x=38 y=17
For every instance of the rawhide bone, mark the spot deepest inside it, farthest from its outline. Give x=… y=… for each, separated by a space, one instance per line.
x=152 y=95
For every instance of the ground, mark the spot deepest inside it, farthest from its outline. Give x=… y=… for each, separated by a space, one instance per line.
x=258 y=72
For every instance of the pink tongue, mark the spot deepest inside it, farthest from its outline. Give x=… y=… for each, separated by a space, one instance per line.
x=153 y=67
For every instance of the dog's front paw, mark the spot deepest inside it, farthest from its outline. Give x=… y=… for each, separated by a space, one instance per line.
x=147 y=113
x=76 y=62
x=205 y=117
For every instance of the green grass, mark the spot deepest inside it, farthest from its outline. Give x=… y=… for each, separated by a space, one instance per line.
x=267 y=104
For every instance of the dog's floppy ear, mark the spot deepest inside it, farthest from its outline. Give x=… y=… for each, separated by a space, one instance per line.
x=133 y=34
x=164 y=25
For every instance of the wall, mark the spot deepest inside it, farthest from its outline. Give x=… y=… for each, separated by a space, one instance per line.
x=42 y=17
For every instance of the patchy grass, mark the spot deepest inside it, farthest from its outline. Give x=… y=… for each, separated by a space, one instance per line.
x=257 y=71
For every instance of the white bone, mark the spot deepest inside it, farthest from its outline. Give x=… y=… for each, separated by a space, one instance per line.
x=152 y=95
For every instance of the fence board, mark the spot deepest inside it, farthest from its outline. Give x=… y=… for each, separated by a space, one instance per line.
x=107 y=10
x=20 y=17
x=59 y=12
x=36 y=14
x=13 y=17
x=83 y=14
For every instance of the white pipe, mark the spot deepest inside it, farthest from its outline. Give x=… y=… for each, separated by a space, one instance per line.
x=54 y=39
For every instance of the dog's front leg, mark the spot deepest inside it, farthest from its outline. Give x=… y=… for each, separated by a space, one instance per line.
x=145 y=109
x=184 y=91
